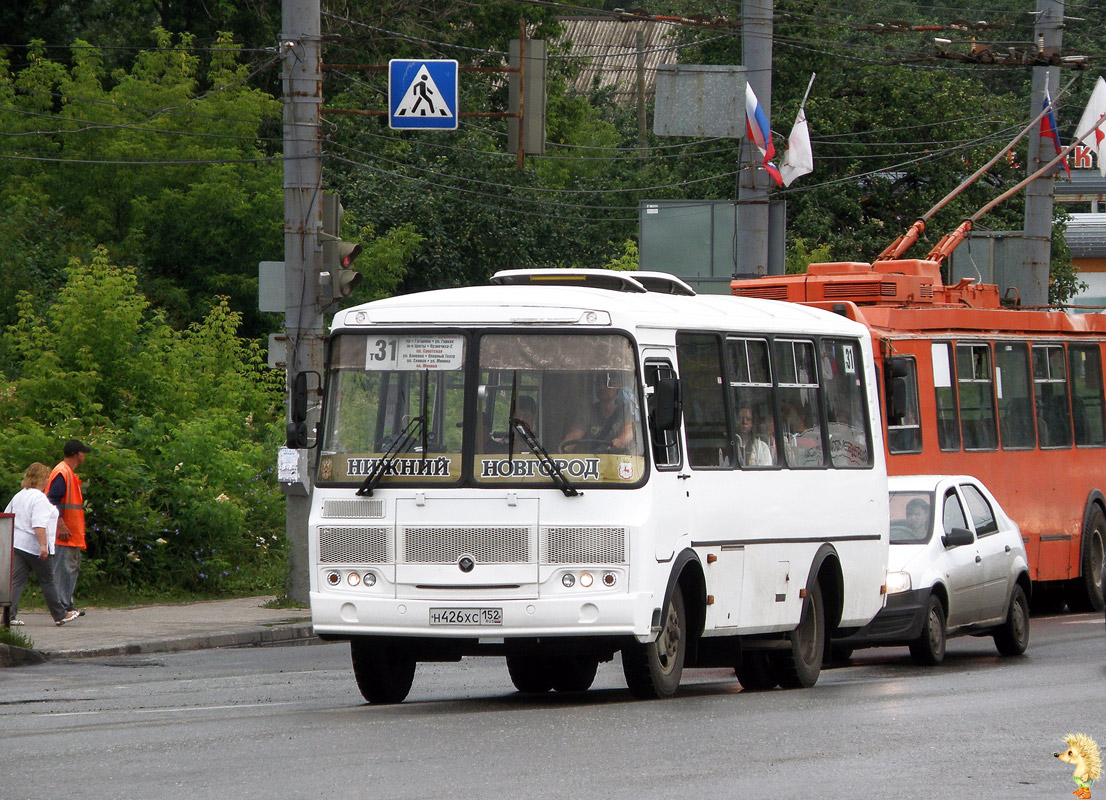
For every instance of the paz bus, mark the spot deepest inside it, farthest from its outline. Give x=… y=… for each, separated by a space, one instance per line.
x=552 y=469
x=1011 y=396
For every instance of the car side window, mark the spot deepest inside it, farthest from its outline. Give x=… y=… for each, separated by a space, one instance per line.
x=983 y=517
x=952 y=516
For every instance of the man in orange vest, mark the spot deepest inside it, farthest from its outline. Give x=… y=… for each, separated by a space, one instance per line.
x=64 y=491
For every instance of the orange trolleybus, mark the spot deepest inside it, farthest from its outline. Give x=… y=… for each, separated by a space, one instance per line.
x=1011 y=396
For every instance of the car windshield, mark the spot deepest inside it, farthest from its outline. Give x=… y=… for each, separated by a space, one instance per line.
x=911 y=517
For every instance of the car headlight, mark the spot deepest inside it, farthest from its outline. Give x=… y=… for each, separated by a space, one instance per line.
x=898 y=582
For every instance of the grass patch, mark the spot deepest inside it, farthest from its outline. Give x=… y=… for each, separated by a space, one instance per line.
x=15 y=638
x=122 y=597
x=284 y=601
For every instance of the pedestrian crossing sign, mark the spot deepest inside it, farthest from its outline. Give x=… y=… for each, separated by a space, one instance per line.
x=422 y=94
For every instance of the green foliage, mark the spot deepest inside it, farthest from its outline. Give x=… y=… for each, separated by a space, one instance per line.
x=15 y=638
x=628 y=260
x=800 y=255
x=179 y=489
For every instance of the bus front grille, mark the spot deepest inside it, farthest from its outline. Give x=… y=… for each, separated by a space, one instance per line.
x=583 y=545
x=447 y=544
x=340 y=545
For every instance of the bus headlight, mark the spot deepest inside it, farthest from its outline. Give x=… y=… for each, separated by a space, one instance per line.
x=334 y=577
x=353 y=579
x=898 y=582
x=370 y=579
x=586 y=579
x=569 y=580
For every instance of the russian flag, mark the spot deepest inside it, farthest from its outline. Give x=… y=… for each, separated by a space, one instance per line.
x=760 y=134
x=1048 y=129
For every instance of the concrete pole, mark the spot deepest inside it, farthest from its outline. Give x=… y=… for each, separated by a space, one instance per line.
x=1048 y=31
x=300 y=48
x=752 y=196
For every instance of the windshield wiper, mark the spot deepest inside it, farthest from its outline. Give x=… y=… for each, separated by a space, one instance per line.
x=402 y=443
x=555 y=473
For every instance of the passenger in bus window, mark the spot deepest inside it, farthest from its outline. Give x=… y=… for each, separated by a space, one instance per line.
x=752 y=451
x=609 y=426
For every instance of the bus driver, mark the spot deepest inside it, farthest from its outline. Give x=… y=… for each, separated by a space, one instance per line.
x=609 y=422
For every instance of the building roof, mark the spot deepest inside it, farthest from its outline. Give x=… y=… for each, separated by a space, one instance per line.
x=608 y=48
x=1086 y=235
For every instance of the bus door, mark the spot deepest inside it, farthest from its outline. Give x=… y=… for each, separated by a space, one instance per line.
x=669 y=493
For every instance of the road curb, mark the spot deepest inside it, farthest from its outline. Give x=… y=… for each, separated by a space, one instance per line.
x=298 y=632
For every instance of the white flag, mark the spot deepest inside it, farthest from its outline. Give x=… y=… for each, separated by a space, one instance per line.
x=1096 y=107
x=799 y=159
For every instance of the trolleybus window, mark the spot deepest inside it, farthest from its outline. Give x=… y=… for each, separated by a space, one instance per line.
x=797 y=394
x=1015 y=401
x=948 y=424
x=904 y=432
x=850 y=443
x=709 y=443
x=977 y=408
x=1050 y=384
x=1086 y=395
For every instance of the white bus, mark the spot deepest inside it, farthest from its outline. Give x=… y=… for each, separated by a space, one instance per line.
x=570 y=464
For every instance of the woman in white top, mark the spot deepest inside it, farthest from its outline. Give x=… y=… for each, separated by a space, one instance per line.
x=36 y=526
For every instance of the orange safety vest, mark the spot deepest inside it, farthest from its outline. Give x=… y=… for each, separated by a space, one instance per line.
x=72 y=504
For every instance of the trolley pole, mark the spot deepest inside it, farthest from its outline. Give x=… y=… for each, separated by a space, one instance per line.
x=300 y=49
x=1048 y=31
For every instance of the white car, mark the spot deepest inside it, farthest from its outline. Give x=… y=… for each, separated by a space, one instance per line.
x=961 y=570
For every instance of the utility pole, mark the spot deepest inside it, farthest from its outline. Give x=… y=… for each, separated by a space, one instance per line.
x=1048 y=32
x=752 y=197
x=301 y=51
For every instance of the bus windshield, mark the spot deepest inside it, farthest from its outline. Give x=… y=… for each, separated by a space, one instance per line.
x=396 y=406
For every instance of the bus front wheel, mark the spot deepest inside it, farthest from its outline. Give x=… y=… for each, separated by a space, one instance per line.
x=530 y=674
x=653 y=670
x=1085 y=592
x=799 y=666
x=383 y=669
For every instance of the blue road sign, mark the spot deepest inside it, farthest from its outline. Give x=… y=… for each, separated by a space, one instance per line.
x=422 y=94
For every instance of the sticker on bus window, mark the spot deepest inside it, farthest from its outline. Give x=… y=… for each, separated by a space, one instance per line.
x=414 y=353
x=850 y=360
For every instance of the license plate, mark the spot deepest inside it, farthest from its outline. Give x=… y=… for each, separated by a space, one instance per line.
x=466 y=616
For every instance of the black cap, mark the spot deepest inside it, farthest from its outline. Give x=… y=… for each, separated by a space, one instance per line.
x=74 y=446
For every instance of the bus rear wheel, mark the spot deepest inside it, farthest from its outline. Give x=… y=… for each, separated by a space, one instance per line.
x=1085 y=592
x=384 y=669
x=653 y=670
x=756 y=673
x=799 y=666
x=574 y=673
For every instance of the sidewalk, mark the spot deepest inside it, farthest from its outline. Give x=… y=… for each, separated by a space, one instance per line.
x=158 y=629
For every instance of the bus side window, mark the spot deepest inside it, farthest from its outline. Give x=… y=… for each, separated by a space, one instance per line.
x=665 y=443
x=799 y=398
x=706 y=423
x=1015 y=406
x=753 y=402
x=1085 y=364
x=846 y=405
x=904 y=431
x=1050 y=387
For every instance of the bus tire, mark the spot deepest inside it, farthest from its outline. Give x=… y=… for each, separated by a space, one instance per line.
x=530 y=674
x=799 y=666
x=1085 y=592
x=929 y=648
x=756 y=673
x=1012 y=637
x=573 y=673
x=653 y=670
x=383 y=669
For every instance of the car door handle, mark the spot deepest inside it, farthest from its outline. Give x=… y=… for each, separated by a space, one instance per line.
x=978 y=559
x=1007 y=548
x=683 y=476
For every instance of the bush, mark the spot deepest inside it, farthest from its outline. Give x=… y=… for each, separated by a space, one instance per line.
x=180 y=490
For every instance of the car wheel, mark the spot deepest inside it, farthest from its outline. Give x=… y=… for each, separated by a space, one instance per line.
x=800 y=666
x=653 y=670
x=384 y=670
x=756 y=673
x=929 y=648
x=1012 y=638
x=530 y=674
x=1085 y=592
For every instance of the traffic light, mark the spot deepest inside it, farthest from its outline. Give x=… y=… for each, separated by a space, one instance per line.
x=337 y=278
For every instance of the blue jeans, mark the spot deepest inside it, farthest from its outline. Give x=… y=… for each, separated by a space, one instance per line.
x=23 y=564
x=67 y=563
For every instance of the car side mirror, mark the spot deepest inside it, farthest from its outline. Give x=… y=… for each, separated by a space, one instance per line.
x=957 y=537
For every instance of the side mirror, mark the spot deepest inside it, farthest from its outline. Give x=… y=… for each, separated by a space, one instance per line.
x=668 y=406
x=296 y=429
x=957 y=537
